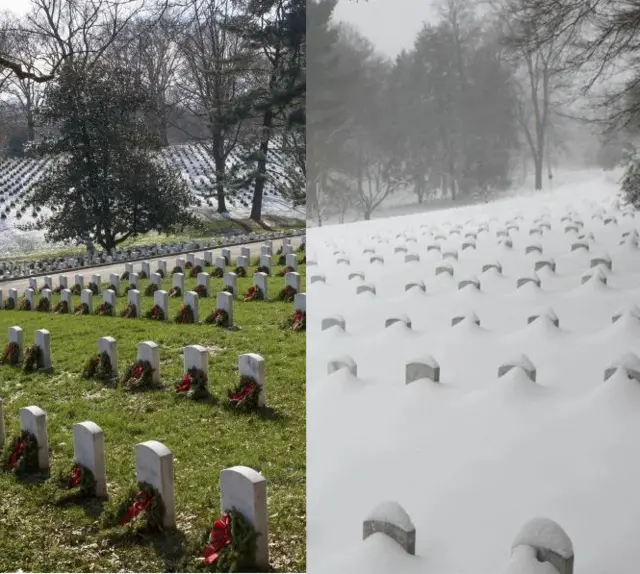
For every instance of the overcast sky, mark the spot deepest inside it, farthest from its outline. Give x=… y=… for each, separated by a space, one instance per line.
x=390 y=24
x=17 y=6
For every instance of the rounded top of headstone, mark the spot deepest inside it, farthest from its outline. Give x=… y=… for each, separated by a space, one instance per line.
x=34 y=410
x=92 y=427
x=154 y=445
x=391 y=513
x=520 y=361
x=424 y=359
x=627 y=361
x=249 y=473
x=545 y=534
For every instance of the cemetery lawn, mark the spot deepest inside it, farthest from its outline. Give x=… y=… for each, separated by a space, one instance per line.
x=38 y=536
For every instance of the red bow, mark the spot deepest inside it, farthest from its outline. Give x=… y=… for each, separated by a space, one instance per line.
x=76 y=476
x=185 y=385
x=219 y=538
x=243 y=393
x=17 y=454
x=138 y=371
x=140 y=504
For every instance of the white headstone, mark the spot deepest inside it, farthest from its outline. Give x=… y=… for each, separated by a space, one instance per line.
x=154 y=465
x=34 y=420
x=43 y=340
x=96 y=280
x=134 y=299
x=146 y=269
x=245 y=252
x=156 y=278
x=231 y=280
x=86 y=297
x=33 y=283
x=208 y=257
x=391 y=519
x=48 y=282
x=226 y=254
x=178 y=281
x=128 y=268
x=260 y=281
x=191 y=258
x=161 y=299
x=13 y=295
x=192 y=300
x=28 y=296
x=224 y=301
x=109 y=346
x=133 y=280
x=333 y=321
x=109 y=296
x=89 y=451
x=196 y=356
x=300 y=302
x=291 y=261
x=293 y=280
x=423 y=368
x=245 y=489
x=63 y=281
x=253 y=365
x=204 y=279
x=343 y=362
x=244 y=263
x=150 y=351
x=79 y=280
x=162 y=266
x=65 y=295
x=266 y=261
x=16 y=335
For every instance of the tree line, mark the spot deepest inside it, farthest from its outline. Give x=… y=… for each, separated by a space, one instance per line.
x=100 y=85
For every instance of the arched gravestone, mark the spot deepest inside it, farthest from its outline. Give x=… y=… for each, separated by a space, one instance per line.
x=550 y=543
x=391 y=519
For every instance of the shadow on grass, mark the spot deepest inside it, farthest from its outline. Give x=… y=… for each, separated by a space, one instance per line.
x=37 y=479
x=265 y=413
x=93 y=507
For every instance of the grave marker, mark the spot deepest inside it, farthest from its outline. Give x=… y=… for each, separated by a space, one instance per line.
x=150 y=351
x=391 y=519
x=253 y=365
x=89 y=451
x=192 y=300
x=114 y=281
x=154 y=465
x=231 y=280
x=161 y=299
x=260 y=281
x=109 y=346
x=224 y=301
x=34 y=420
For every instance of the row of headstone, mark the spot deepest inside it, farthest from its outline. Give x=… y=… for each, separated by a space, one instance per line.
x=241 y=487
x=42 y=340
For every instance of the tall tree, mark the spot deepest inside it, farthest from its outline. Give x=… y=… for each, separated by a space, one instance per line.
x=106 y=184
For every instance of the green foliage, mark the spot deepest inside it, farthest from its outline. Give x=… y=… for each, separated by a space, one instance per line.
x=105 y=185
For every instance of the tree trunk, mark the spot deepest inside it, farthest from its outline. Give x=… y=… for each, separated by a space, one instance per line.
x=367 y=215
x=538 y=167
x=256 y=206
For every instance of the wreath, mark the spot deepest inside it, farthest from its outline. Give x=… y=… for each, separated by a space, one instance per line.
x=95 y=289
x=282 y=260
x=176 y=269
x=10 y=304
x=188 y=265
x=130 y=311
x=241 y=271
x=201 y=290
x=302 y=248
x=298 y=322
x=99 y=367
x=24 y=304
x=193 y=384
x=218 y=272
x=105 y=310
x=138 y=376
x=44 y=305
x=287 y=294
x=57 y=290
x=160 y=272
x=129 y=288
x=79 y=477
x=82 y=309
x=287 y=269
x=218 y=317
x=143 y=505
x=185 y=316
x=254 y=294
x=151 y=289
x=245 y=396
x=124 y=276
x=61 y=307
x=114 y=289
x=33 y=359
x=279 y=251
x=175 y=292
x=21 y=456
x=155 y=313
x=231 y=544
x=142 y=275
x=11 y=355
x=76 y=290
x=197 y=269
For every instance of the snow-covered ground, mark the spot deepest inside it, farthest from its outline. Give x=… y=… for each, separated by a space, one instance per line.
x=474 y=457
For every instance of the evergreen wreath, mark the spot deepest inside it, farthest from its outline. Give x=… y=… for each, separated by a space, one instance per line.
x=241 y=271
x=142 y=275
x=287 y=294
x=57 y=290
x=231 y=545
x=176 y=269
x=245 y=396
x=9 y=304
x=124 y=276
x=24 y=304
x=61 y=307
x=79 y=477
x=114 y=289
x=185 y=316
x=21 y=457
x=297 y=322
x=175 y=292
x=76 y=290
x=129 y=312
x=160 y=272
x=287 y=269
x=33 y=359
x=196 y=269
x=263 y=269
x=105 y=310
x=193 y=384
x=302 y=248
x=82 y=309
x=99 y=367
x=228 y=289
x=151 y=289
x=254 y=294
x=95 y=288
x=282 y=260
x=218 y=317
x=155 y=313
x=279 y=251
x=129 y=288
x=188 y=265
x=143 y=507
x=218 y=272
x=44 y=305
x=138 y=376
x=201 y=290
x=11 y=355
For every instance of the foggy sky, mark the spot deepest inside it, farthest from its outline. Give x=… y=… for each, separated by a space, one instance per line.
x=391 y=25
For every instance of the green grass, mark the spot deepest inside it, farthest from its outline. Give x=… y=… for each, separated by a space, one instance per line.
x=203 y=231
x=37 y=535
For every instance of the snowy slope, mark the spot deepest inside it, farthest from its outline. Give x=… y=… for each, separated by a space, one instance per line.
x=474 y=457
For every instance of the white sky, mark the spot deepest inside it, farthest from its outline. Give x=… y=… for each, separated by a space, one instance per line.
x=391 y=25
x=16 y=6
